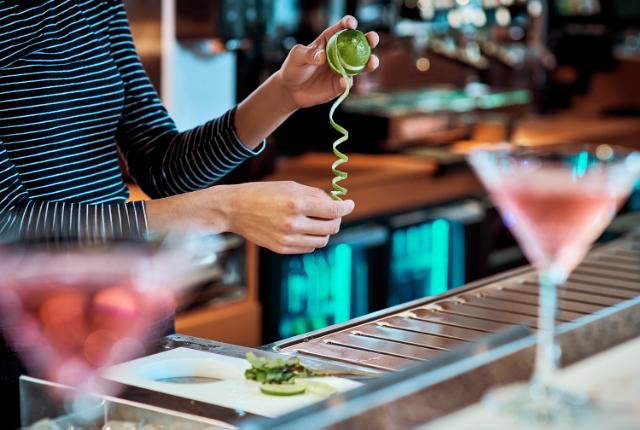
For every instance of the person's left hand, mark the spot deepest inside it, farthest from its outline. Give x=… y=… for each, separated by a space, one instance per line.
x=305 y=74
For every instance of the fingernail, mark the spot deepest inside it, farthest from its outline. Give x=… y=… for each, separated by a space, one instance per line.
x=317 y=56
x=353 y=22
x=350 y=203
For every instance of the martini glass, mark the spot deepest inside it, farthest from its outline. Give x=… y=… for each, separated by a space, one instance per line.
x=68 y=309
x=556 y=200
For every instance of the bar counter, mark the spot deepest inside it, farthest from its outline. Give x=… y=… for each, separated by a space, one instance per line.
x=433 y=357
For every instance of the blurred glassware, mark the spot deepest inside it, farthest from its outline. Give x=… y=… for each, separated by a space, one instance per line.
x=556 y=200
x=69 y=307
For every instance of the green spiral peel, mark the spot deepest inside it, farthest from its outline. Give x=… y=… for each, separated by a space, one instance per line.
x=348 y=53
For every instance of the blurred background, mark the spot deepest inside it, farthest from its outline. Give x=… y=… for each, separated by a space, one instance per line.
x=453 y=73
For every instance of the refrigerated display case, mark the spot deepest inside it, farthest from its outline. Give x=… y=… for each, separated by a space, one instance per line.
x=311 y=291
x=428 y=250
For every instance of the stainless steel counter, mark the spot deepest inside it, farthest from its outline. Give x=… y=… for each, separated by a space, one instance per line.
x=438 y=355
x=399 y=337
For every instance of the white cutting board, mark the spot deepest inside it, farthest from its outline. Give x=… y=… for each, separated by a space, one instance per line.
x=233 y=391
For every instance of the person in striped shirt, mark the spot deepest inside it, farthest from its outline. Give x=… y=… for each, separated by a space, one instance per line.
x=73 y=94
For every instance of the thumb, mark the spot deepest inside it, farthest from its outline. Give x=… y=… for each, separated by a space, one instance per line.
x=305 y=55
x=346 y=207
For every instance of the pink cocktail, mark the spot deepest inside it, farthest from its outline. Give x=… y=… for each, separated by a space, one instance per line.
x=70 y=309
x=556 y=201
x=555 y=219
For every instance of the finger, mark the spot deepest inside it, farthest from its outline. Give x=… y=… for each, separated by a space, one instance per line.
x=373 y=39
x=289 y=250
x=304 y=241
x=347 y=21
x=319 y=57
x=373 y=63
x=319 y=227
x=339 y=84
x=313 y=192
x=327 y=209
x=303 y=55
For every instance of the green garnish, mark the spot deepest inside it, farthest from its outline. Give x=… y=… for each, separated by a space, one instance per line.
x=279 y=371
x=348 y=53
x=276 y=370
x=282 y=389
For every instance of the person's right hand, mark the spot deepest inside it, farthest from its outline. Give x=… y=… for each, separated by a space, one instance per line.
x=285 y=217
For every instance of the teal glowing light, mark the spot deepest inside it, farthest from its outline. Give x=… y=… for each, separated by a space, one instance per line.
x=323 y=288
x=634 y=200
x=582 y=164
x=440 y=266
x=342 y=282
x=426 y=259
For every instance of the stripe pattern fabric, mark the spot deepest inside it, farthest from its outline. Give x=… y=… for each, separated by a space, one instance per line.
x=73 y=95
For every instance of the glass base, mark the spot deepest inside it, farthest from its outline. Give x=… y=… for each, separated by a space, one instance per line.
x=552 y=408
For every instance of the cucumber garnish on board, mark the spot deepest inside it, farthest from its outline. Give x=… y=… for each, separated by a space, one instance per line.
x=348 y=53
x=287 y=374
x=282 y=389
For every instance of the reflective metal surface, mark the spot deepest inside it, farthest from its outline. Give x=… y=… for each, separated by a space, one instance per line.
x=401 y=337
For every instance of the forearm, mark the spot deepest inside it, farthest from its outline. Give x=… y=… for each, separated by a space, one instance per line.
x=263 y=111
x=206 y=209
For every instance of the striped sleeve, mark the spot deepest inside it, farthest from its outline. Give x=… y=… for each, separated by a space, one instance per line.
x=23 y=217
x=162 y=160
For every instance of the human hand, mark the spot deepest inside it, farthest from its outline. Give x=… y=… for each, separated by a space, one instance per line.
x=285 y=217
x=305 y=76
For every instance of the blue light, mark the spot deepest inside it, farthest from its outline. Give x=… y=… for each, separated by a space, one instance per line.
x=323 y=288
x=426 y=259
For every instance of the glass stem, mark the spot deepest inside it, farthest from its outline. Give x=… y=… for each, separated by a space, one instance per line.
x=547 y=356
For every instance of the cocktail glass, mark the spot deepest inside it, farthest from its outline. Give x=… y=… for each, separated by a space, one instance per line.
x=556 y=200
x=70 y=308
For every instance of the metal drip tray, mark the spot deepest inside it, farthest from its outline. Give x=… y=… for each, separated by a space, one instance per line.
x=399 y=337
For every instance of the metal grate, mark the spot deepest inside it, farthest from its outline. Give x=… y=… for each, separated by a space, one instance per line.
x=399 y=338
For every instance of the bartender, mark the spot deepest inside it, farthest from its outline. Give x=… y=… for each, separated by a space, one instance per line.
x=74 y=95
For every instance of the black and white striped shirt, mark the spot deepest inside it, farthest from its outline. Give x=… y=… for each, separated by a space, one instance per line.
x=73 y=93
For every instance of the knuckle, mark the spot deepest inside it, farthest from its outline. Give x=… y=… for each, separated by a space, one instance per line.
x=317 y=192
x=289 y=225
x=293 y=205
x=284 y=240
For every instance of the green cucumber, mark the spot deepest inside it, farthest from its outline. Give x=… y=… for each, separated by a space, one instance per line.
x=316 y=387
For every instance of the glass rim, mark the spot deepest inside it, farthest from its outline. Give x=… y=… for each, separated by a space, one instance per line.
x=550 y=149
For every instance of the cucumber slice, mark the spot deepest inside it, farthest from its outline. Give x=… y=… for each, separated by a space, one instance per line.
x=316 y=387
x=282 y=389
